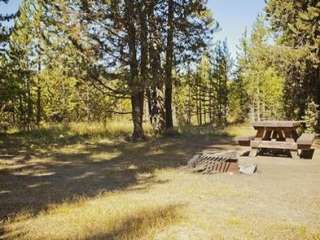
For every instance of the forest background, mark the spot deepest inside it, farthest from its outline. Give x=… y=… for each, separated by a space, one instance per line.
x=155 y=63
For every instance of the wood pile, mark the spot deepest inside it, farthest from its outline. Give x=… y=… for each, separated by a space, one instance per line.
x=215 y=162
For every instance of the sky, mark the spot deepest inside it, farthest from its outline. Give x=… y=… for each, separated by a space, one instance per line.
x=10 y=7
x=234 y=16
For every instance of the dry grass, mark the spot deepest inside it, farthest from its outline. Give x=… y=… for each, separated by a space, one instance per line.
x=107 y=216
x=112 y=189
x=240 y=130
x=78 y=132
x=112 y=128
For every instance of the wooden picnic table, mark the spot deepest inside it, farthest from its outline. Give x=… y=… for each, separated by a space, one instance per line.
x=275 y=135
x=278 y=136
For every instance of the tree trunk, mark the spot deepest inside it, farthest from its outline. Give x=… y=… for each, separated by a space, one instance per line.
x=29 y=105
x=137 y=89
x=253 y=117
x=200 y=106
x=169 y=64
x=88 y=110
x=38 y=103
x=258 y=109
x=149 y=99
x=189 y=111
x=155 y=88
x=137 y=115
x=210 y=104
x=317 y=93
x=39 y=107
x=197 y=99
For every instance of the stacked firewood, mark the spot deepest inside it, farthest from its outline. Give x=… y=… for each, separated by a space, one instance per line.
x=215 y=162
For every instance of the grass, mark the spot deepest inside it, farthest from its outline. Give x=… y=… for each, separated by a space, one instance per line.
x=52 y=135
x=139 y=213
x=214 y=133
x=108 y=216
x=77 y=132
x=114 y=128
x=177 y=209
x=93 y=184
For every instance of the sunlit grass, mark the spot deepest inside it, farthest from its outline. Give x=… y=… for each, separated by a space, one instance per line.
x=108 y=216
x=151 y=197
x=216 y=134
x=180 y=206
x=66 y=133
x=111 y=128
x=245 y=129
x=143 y=212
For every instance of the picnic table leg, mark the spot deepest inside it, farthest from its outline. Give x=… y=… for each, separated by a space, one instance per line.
x=267 y=134
x=291 y=136
x=282 y=135
x=295 y=134
x=259 y=135
x=253 y=153
x=294 y=154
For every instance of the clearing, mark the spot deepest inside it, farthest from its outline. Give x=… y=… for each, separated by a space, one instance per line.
x=112 y=189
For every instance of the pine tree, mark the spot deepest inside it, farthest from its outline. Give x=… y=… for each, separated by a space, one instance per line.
x=7 y=88
x=133 y=40
x=221 y=70
x=258 y=75
x=297 y=23
x=188 y=34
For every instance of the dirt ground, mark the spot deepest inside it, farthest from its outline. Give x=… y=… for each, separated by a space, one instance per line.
x=281 y=201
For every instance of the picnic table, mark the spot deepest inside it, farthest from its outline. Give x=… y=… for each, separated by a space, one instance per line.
x=277 y=135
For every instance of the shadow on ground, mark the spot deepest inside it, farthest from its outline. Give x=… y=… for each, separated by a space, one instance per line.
x=34 y=175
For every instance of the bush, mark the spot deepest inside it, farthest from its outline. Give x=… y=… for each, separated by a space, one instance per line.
x=311 y=117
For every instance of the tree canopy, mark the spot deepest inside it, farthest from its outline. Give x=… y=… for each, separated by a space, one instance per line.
x=155 y=61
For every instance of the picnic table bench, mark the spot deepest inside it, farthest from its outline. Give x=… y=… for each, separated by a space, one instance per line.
x=281 y=135
x=305 y=140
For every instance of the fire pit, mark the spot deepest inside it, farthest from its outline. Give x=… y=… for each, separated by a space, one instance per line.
x=215 y=162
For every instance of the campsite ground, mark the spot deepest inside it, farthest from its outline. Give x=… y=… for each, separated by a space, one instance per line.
x=75 y=187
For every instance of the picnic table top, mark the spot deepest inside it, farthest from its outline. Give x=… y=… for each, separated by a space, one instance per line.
x=280 y=124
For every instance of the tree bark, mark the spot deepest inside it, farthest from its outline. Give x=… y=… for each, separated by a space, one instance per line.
x=318 y=98
x=137 y=115
x=155 y=88
x=169 y=65
x=39 y=107
x=137 y=90
x=38 y=103
x=29 y=105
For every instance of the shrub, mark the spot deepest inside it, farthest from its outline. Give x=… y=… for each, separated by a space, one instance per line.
x=311 y=117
